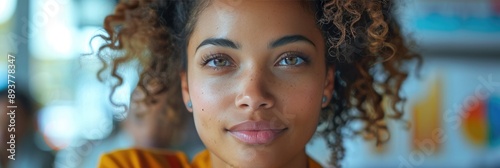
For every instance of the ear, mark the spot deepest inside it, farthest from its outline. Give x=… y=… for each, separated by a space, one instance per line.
x=329 y=84
x=185 y=89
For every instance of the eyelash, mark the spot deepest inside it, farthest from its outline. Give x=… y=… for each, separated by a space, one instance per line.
x=210 y=57
x=285 y=55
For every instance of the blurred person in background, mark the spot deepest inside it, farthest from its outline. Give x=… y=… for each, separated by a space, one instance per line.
x=154 y=124
x=151 y=124
x=27 y=150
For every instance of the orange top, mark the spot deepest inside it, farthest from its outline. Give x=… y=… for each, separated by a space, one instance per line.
x=160 y=158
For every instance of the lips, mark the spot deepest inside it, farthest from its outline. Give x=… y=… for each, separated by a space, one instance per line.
x=256 y=132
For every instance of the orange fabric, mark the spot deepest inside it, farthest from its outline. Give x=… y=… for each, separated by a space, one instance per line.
x=313 y=163
x=202 y=160
x=158 y=158
x=129 y=158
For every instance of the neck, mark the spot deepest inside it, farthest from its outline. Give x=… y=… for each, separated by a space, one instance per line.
x=298 y=161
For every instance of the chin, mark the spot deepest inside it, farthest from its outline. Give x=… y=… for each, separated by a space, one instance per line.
x=255 y=157
x=255 y=163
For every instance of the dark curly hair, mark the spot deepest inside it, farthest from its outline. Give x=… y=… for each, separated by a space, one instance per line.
x=363 y=42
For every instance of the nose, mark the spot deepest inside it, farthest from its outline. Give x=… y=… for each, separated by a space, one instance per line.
x=254 y=92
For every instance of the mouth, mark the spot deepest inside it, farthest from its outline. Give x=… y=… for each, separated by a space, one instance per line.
x=256 y=132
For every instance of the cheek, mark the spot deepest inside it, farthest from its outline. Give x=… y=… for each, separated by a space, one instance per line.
x=210 y=95
x=210 y=100
x=304 y=101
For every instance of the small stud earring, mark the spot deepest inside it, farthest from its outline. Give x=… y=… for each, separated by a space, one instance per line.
x=189 y=104
x=324 y=99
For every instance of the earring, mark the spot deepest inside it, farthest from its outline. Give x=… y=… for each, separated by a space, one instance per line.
x=189 y=104
x=324 y=99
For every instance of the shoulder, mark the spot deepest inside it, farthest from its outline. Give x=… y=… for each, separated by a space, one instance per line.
x=144 y=158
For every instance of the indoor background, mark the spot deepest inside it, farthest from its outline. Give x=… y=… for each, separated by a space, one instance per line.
x=452 y=108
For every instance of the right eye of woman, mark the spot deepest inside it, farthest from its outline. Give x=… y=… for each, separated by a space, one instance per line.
x=217 y=61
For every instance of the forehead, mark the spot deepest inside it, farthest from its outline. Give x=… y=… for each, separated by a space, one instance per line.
x=239 y=19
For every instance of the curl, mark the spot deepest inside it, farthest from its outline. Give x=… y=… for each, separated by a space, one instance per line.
x=368 y=52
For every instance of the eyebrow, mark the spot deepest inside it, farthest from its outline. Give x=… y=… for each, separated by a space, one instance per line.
x=218 y=42
x=289 y=39
x=277 y=43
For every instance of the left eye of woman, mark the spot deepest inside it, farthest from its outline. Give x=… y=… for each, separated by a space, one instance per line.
x=292 y=60
x=218 y=62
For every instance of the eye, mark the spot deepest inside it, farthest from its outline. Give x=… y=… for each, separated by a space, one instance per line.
x=291 y=59
x=217 y=61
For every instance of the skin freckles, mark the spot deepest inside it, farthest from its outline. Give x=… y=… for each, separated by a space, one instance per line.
x=256 y=61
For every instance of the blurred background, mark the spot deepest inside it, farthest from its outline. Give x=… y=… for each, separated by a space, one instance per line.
x=68 y=121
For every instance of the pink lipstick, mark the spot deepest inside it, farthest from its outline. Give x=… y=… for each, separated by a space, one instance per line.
x=256 y=132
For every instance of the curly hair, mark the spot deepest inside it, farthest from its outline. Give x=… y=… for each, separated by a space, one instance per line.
x=363 y=42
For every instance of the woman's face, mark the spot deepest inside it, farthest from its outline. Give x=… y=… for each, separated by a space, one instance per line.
x=256 y=76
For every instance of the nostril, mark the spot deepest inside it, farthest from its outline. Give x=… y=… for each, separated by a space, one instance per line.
x=253 y=101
